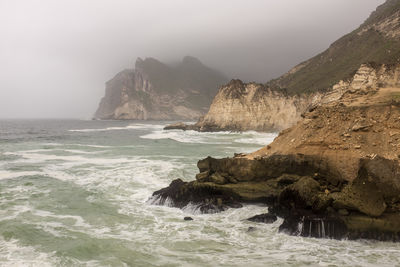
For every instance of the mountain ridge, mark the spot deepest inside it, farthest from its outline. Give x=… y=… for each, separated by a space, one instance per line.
x=376 y=40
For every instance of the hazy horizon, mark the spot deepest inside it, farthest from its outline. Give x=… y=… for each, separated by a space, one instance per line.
x=57 y=55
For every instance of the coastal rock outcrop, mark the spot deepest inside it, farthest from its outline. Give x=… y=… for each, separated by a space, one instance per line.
x=334 y=174
x=156 y=91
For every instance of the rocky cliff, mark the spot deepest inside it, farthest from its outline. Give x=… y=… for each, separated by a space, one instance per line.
x=335 y=174
x=239 y=107
x=156 y=91
x=279 y=104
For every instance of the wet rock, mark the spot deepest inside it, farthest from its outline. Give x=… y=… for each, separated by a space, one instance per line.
x=263 y=218
x=207 y=197
x=251 y=229
x=343 y=212
x=301 y=194
x=217 y=178
x=176 y=126
x=314 y=226
x=202 y=176
x=181 y=126
x=362 y=195
x=188 y=219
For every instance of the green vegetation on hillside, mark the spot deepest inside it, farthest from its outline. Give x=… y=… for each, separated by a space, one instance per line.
x=345 y=56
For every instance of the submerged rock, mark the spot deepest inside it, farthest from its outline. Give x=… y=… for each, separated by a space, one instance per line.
x=251 y=229
x=181 y=126
x=263 y=218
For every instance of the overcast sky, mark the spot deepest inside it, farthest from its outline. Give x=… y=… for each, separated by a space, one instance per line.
x=56 y=55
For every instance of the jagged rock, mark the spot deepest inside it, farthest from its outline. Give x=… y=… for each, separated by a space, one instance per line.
x=217 y=178
x=362 y=196
x=202 y=176
x=301 y=194
x=314 y=226
x=208 y=197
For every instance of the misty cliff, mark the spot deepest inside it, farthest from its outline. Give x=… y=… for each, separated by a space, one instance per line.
x=157 y=91
x=279 y=103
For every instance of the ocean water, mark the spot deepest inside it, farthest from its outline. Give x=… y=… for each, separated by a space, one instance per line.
x=74 y=193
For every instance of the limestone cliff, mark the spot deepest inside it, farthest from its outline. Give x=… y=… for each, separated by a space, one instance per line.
x=337 y=169
x=156 y=91
x=240 y=107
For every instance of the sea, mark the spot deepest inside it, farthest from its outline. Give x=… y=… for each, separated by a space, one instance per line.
x=76 y=193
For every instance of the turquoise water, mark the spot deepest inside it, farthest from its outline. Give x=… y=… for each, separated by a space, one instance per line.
x=74 y=193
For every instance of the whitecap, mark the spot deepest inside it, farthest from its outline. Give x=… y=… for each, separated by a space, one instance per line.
x=185 y=137
x=13 y=254
x=129 y=127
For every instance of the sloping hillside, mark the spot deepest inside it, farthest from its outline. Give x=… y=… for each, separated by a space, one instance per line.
x=376 y=40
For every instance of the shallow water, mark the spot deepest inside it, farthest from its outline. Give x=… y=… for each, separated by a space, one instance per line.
x=74 y=193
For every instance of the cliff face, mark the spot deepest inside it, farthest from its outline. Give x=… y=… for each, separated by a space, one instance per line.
x=239 y=107
x=156 y=91
x=337 y=169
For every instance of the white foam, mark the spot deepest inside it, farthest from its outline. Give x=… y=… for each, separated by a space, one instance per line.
x=13 y=254
x=79 y=145
x=212 y=138
x=186 y=137
x=129 y=127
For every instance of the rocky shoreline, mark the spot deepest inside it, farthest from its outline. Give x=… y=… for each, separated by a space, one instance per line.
x=335 y=174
